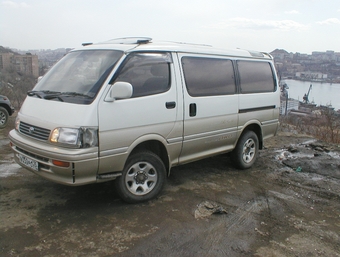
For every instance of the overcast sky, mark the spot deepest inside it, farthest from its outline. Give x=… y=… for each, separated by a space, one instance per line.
x=294 y=25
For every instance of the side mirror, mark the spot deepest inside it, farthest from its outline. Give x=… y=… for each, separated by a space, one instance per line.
x=119 y=90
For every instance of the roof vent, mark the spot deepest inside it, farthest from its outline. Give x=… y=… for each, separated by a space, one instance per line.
x=256 y=54
x=86 y=44
x=144 y=40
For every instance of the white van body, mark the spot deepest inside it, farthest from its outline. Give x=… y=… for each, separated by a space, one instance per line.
x=130 y=109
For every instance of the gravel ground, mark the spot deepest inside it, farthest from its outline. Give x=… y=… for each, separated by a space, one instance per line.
x=287 y=204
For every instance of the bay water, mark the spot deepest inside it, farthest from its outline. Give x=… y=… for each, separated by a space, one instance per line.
x=320 y=94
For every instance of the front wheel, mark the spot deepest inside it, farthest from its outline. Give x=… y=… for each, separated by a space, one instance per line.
x=142 y=179
x=246 y=150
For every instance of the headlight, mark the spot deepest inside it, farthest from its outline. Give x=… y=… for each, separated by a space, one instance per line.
x=17 y=123
x=75 y=137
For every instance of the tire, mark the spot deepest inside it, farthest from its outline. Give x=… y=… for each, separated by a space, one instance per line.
x=246 y=151
x=3 y=117
x=142 y=179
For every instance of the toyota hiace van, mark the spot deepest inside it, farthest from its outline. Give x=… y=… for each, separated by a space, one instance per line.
x=131 y=109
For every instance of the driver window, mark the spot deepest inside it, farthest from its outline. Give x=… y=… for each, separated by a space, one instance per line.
x=148 y=73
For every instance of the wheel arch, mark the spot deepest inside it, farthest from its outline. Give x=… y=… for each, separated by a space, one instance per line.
x=256 y=128
x=154 y=145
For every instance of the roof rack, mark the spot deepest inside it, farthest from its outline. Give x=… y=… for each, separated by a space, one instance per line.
x=191 y=44
x=129 y=40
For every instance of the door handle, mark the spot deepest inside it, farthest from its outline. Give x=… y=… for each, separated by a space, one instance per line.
x=170 y=105
x=192 y=110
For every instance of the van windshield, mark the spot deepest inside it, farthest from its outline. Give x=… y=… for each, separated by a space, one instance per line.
x=77 y=77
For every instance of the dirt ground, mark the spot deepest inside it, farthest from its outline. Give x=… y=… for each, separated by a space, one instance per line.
x=288 y=204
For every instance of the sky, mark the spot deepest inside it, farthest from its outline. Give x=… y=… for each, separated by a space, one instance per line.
x=300 y=26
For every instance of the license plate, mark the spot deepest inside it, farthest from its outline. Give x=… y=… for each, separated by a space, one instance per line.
x=28 y=162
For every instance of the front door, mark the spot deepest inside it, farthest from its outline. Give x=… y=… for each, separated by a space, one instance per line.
x=151 y=110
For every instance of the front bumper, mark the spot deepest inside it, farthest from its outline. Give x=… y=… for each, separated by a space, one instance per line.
x=37 y=157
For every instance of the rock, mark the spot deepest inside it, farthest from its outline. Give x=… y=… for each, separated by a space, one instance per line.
x=208 y=208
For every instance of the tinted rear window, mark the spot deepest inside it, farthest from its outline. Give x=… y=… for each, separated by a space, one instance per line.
x=256 y=77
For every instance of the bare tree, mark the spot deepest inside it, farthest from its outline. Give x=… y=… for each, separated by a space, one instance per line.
x=332 y=123
x=323 y=123
x=15 y=85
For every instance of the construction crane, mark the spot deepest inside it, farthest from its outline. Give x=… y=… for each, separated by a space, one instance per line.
x=305 y=97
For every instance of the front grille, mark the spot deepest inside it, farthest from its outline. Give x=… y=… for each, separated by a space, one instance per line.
x=34 y=131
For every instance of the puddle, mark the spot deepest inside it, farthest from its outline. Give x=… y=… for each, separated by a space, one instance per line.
x=317 y=178
x=10 y=169
x=334 y=155
x=309 y=142
x=284 y=154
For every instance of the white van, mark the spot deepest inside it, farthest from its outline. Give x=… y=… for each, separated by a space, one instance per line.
x=130 y=109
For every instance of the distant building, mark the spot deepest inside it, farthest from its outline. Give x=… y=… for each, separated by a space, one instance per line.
x=319 y=66
x=5 y=60
x=27 y=64
x=329 y=55
x=310 y=76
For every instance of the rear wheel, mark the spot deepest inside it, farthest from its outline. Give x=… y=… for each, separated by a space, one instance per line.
x=3 y=117
x=246 y=150
x=142 y=179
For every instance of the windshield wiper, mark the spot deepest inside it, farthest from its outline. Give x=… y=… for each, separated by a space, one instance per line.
x=32 y=93
x=46 y=94
x=75 y=94
x=41 y=94
x=49 y=97
x=50 y=92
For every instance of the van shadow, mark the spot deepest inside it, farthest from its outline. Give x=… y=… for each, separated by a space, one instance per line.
x=203 y=170
x=90 y=201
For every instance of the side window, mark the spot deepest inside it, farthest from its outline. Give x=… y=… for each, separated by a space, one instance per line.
x=148 y=73
x=256 y=77
x=208 y=76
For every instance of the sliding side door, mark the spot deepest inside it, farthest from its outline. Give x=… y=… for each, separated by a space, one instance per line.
x=210 y=106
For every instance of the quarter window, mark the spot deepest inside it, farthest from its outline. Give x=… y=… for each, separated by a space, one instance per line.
x=148 y=73
x=256 y=77
x=208 y=76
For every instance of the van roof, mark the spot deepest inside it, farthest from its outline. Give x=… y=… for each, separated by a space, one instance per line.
x=131 y=44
